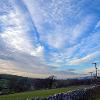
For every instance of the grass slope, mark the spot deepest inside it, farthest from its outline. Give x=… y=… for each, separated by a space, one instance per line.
x=38 y=93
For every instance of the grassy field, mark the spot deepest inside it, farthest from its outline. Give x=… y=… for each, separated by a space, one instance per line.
x=98 y=97
x=38 y=93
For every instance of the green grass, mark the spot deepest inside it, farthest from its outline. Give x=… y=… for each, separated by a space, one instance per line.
x=37 y=93
x=98 y=97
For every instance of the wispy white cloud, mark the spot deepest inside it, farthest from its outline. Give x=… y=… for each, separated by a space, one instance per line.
x=81 y=28
x=68 y=35
x=84 y=59
x=15 y=34
x=10 y=67
x=51 y=17
x=97 y=25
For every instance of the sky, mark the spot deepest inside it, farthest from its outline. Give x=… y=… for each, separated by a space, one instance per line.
x=39 y=38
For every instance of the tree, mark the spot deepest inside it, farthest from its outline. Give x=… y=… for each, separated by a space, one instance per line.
x=3 y=84
x=51 y=80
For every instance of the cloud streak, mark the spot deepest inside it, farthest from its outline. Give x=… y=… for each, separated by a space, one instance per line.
x=84 y=59
x=48 y=38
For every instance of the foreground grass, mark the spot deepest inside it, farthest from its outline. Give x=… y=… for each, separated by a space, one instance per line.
x=37 y=93
x=98 y=97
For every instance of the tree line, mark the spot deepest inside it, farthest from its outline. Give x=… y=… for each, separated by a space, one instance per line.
x=12 y=83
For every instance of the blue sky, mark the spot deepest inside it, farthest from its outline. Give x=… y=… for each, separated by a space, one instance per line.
x=39 y=38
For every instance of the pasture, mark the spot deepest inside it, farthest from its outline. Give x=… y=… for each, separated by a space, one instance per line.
x=98 y=97
x=38 y=93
